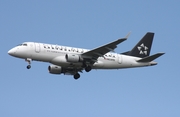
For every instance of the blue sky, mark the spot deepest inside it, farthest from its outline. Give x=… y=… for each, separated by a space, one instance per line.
x=152 y=91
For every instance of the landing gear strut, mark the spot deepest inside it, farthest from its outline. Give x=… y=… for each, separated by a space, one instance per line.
x=76 y=76
x=29 y=62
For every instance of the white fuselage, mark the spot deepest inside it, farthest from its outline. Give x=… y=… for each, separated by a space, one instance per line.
x=55 y=54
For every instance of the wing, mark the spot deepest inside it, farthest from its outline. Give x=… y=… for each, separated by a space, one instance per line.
x=100 y=51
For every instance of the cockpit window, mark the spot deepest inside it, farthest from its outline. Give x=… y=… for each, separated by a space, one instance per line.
x=19 y=45
x=22 y=44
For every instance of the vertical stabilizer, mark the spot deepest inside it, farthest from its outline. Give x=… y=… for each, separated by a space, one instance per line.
x=143 y=47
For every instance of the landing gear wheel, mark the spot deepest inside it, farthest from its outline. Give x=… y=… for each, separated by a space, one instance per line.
x=88 y=69
x=76 y=76
x=29 y=66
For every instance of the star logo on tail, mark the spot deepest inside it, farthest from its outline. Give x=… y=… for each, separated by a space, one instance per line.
x=143 y=49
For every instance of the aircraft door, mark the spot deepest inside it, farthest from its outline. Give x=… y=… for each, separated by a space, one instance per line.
x=119 y=58
x=37 y=47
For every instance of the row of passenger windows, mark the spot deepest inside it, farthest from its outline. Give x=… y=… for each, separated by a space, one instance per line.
x=110 y=55
x=74 y=50
x=64 y=48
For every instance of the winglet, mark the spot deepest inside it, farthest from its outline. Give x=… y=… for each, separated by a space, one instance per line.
x=128 y=34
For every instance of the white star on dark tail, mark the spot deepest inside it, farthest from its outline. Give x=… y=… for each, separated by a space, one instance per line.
x=142 y=49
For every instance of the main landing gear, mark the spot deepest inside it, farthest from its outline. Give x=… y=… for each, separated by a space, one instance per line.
x=29 y=62
x=88 y=68
x=76 y=76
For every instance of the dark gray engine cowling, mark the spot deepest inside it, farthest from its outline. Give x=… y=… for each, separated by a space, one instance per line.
x=73 y=58
x=54 y=69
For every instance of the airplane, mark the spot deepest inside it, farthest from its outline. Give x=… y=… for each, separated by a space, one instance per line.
x=72 y=61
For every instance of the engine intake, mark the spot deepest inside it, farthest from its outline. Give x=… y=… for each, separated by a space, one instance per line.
x=54 y=69
x=73 y=58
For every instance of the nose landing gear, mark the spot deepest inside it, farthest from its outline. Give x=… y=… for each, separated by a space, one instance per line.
x=29 y=66
x=29 y=62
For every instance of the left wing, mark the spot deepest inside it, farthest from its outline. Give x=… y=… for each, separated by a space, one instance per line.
x=100 y=51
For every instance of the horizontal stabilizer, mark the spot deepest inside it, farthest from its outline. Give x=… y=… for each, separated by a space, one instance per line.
x=150 y=58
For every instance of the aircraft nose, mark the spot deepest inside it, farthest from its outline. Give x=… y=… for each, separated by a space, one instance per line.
x=11 y=52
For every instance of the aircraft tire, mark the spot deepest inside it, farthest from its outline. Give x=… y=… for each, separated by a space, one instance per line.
x=29 y=66
x=88 y=69
x=76 y=76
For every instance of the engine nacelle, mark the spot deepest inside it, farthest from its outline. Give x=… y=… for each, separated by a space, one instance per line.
x=73 y=58
x=54 y=69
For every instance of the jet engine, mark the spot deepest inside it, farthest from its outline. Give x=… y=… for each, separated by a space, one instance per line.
x=54 y=69
x=73 y=58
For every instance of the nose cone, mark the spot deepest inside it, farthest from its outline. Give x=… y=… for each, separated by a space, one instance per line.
x=11 y=52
